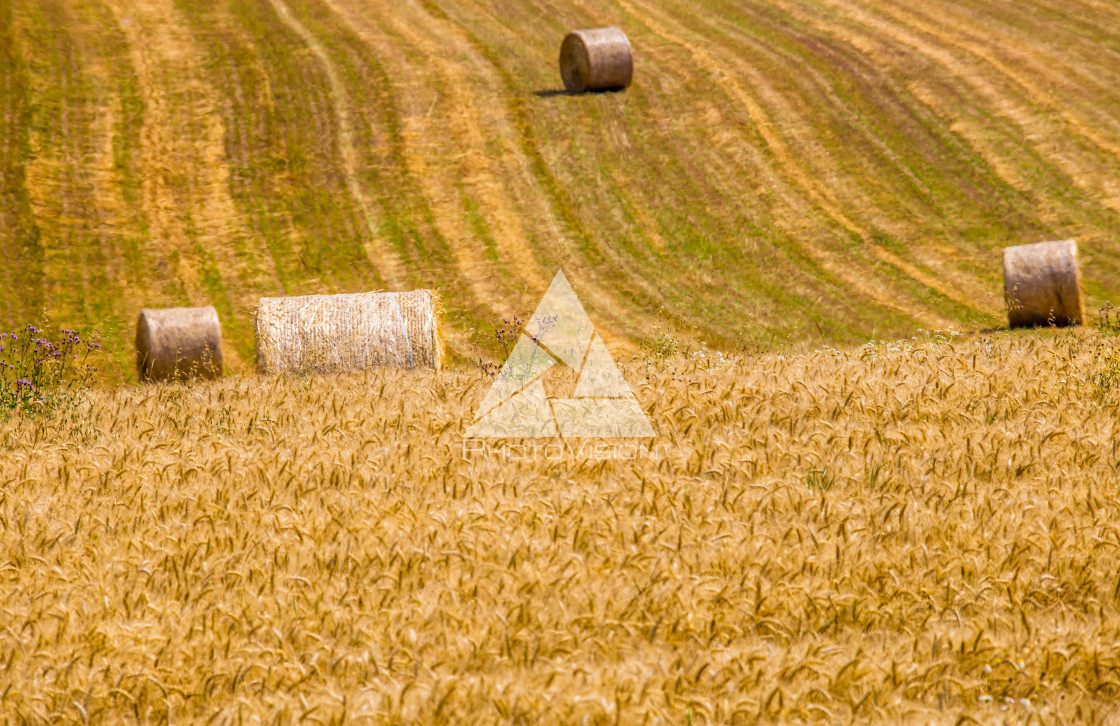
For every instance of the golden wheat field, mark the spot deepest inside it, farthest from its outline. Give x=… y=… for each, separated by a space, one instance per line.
x=924 y=531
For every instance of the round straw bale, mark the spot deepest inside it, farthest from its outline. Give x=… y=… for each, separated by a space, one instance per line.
x=332 y=333
x=1042 y=284
x=178 y=344
x=596 y=60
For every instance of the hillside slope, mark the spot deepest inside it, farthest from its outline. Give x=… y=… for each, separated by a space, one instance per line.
x=779 y=172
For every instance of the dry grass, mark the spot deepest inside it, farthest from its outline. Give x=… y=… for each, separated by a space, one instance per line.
x=913 y=532
x=778 y=173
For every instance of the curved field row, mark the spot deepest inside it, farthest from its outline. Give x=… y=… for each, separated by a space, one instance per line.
x=780 y=173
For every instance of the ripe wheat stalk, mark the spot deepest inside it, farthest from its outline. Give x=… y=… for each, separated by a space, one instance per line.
x=923 y=531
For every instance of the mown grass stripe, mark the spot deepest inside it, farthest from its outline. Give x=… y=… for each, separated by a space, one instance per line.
x=22 y=274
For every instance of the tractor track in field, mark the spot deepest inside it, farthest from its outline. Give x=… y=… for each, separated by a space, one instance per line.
x=877 y=45
x=964 y=292
x=795 y=122
x=953 y=36
x=968 y=92
x=160 y=133
x=13 y=183
x=1018 y=110
x=479 y=123
x=432 y=155
x=195 y=225
x=786 y=163
x=63 y=190
x=1052 y=140
x=381 y=256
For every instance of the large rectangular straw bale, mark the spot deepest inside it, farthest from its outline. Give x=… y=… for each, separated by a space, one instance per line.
x=333 y=333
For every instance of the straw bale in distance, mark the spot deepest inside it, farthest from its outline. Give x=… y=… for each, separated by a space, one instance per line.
x=178 y=344
x=334 y=333
x=1042 y=284
x=596 y=60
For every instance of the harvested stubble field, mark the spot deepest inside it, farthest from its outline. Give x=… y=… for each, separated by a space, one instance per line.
x=923 y=531
x=875 y=155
